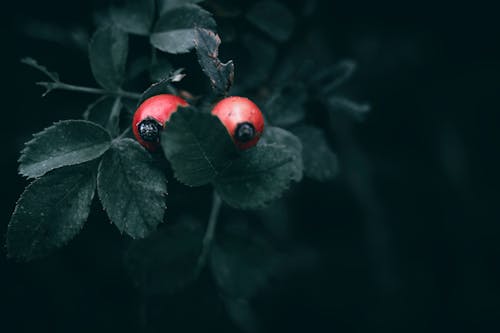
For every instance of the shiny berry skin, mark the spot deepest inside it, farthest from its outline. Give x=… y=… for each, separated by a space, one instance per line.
x=151 y=116
x=242 y=119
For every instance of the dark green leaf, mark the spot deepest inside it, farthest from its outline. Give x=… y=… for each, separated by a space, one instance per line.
x=166 y=260
x=320 y=162
x=257 y=62
x=273 y=18
x=286 y=139
x=286 y=106
x=134 y=16
x=67 y=142
x=162 y=87
x=242 y=314
x=105 y=112
x=330 y=78
x=243 y=261
x=131 y=188
x=166 y=5
x=174 y=31
x=108 y=50
x=341 y=104
x=277 y=219
x=138 y=66
x=160 y=69
x=221 y=75
x=258 y=176
x=51 y=211
x=197 y=145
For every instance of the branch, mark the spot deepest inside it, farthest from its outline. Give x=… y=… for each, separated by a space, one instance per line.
x=209 y=234
x=57 y=84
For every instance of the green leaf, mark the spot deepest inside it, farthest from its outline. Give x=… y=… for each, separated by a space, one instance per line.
x=136 y=67
x=243 y=260
x=286 y=106
x=105 y=112
x=51 y=211
x=286 y=139
x=320 y=162
x=166 y=5
x=160 y=69
x=273 y=18
x=174 y=31
x=134 y=16
x=197 y=145
x=258 y=176
x=256 y=64
x=131 y=188
x=242 y=314
x=354 y=109
x=221 y=75
x=162 y=87
x=108 y=50
x=330 y=78
x=66 y=142
x=166 y=260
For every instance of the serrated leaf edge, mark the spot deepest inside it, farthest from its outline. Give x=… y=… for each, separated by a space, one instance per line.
x=27 y=147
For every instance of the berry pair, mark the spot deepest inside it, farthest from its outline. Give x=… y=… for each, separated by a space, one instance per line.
x=241 y=117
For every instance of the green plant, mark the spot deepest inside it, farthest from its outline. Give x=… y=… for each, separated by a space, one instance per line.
x=73 y=159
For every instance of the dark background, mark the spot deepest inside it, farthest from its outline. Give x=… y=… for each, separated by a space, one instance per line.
x=408 y=235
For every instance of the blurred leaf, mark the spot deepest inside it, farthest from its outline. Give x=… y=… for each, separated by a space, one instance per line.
x=134 y=16
x=226 y=8
x=276 y=219
x=328 y=79
x=174 y=31
x=160 y=69
x=320 y=162
x=108 y=50
x=241 y=313
x=162 y=87
x=197 y=145
x=258 y=176
x=279 y=136
x=221 y=75
x=286 y=106
x=166 y=260
x=341 y=104
x=131 y=188
x=65 y=143
x=138 y=66
x=273 y=18
x=166 y=5
x=243 y=261
x=258 y=61
x=51 y=211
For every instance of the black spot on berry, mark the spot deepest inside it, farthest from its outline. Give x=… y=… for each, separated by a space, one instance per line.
x=244 y=132
x=149 y=130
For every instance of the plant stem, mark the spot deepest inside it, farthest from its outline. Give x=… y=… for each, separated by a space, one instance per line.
x=209 y=234
x=90 y=90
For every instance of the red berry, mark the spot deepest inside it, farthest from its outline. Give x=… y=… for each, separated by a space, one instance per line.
x=242 y=119
x=151 y=116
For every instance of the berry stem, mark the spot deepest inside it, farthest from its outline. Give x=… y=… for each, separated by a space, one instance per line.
x=90 y=90
x=209 y=234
